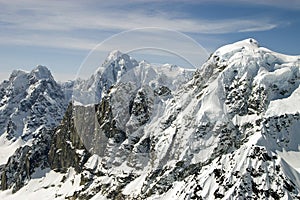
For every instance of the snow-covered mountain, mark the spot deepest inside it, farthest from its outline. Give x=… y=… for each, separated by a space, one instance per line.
x=36 y=93
x=119 y=67
x=90 y=91
x=30 y=102
x=230 y=132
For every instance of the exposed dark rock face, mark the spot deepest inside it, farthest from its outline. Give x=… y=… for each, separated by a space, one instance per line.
x=141 y=107
x=67 y=149
x=26 y=161
x=107 y=122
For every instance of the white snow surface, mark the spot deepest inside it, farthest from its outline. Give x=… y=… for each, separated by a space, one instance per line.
x=8 y=147
x=47 y=186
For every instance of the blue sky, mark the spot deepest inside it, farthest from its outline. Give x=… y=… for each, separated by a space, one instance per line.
x=60 y=34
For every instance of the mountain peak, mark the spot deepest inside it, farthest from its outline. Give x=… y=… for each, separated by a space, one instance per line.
x=41 y=72
x=116 y=59
x=250 y=42
x=17 y=73
x=113 y=55
x=118 y=56
x=247 y=44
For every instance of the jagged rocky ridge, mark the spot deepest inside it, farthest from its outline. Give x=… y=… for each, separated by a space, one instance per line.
x=230 y=132
x=29 y=100
x=32 y=104
x=14 y=173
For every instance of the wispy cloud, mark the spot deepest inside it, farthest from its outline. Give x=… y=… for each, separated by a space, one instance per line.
x=52 y=41
x=287 y=4
x=259 y=28
x=55 y=17
x=37 y=22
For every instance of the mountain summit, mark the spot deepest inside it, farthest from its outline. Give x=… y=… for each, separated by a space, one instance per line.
x=30 y=102
x=228 y=132
x=90 y=91
x=41 y=72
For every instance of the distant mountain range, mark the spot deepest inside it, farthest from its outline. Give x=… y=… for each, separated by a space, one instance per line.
x=134 y=130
